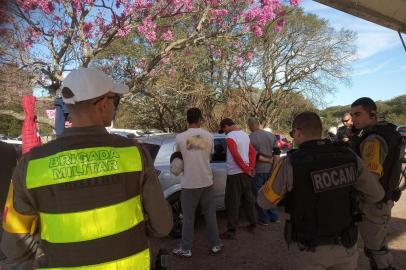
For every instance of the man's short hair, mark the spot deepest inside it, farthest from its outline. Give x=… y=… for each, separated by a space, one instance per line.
x=253 y=121
x=226 y=122
x=309 y=123
x=367 y=104
x=194 y=115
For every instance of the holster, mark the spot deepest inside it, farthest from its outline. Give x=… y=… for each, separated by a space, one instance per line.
x=349 y=236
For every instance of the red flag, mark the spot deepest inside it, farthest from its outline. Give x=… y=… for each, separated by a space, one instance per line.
x=29 y=131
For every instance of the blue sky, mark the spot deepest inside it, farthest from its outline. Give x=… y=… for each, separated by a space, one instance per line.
x=380 y=69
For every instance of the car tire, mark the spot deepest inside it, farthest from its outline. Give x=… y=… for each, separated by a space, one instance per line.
x=177 y=215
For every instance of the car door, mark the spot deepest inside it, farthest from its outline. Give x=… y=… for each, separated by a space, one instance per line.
x=219 y=169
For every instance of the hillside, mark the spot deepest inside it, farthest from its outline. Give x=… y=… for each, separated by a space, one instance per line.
x=393 y=111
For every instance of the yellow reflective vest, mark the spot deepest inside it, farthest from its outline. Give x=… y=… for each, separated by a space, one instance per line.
x=89 y=207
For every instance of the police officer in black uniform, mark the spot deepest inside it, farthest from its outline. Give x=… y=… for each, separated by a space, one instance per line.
x=380 y=147
x=317 y=182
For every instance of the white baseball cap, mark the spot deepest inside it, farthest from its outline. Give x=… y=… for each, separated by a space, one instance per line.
x=89 y=83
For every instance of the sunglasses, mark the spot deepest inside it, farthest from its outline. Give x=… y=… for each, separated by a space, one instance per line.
x=116 y=98
x=292 y=132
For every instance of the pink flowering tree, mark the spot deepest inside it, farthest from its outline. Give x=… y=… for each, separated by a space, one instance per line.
x=52 y=37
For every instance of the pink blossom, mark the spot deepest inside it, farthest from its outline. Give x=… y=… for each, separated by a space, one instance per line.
x=171 y=71
x=265 y=2
x=101 y=23
x=142 y=63
x=219 y=12
x=217 y=53
x=252 y=14
x=257 y=30
x=140 y=3
x=26 y=44
x=213 y=3
x=77 y=4
x=128 y=9
x=147 y=28
x=151 y=36
x=279 y=25
x=124 y=31
x=237 y=43
x=87 y=28
x=249 y=56
x=238 y=61
x=167 y=36
x=188 y=52
x=294 y=2
x=45 y=5
x=118 y=3
x=114 y=57
x=164 y=61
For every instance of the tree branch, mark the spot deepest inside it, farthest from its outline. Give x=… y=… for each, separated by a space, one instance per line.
x=21 y=116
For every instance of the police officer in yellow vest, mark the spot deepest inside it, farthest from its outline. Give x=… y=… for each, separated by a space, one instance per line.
x=380 y=147
x=316 y=183
x=92 y=197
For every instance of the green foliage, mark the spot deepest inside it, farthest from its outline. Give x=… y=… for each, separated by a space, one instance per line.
x=393 y=111
x=285 y=73
x=10 y=126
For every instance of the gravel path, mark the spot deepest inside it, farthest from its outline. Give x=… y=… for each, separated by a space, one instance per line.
x=266 y=249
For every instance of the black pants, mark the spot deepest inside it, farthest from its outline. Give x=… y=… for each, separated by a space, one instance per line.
x=238 y=191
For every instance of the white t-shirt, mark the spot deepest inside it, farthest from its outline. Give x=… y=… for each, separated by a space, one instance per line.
x=242 y=141
x=196 y=146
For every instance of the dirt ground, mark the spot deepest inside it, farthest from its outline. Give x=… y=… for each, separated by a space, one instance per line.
x=266 y=249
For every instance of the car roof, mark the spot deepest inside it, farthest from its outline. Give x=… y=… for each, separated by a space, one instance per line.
x=168 y=138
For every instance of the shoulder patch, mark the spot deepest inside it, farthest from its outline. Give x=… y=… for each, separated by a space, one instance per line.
x=371 y=155
x=269 y=192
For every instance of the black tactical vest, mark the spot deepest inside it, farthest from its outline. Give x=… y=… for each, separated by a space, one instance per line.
x=321 y=202
x=392 y=164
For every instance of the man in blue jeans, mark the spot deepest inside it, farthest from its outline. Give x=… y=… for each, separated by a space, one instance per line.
x=265 y=143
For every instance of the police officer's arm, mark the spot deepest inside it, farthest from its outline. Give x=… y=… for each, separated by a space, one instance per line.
x=280 y=182
x=373 y=152
x=19 y=242
x=368 y=184
x=158 y=214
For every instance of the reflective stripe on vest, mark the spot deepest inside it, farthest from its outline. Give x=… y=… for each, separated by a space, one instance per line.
x=91 y=224
x=139 y=261
x=79 y=164
x=96 y=224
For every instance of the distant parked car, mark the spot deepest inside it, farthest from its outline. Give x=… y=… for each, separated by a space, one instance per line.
x=15 y=142
x=283 y=143
x=402 y=131
x=161 y=148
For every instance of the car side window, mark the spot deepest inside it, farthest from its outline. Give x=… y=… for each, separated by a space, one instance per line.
x=220 y=148
x=165 y=153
